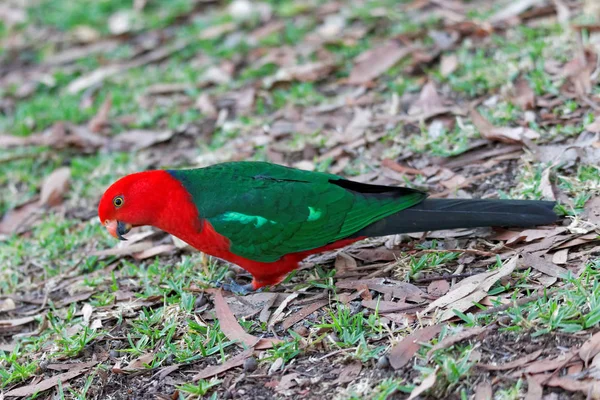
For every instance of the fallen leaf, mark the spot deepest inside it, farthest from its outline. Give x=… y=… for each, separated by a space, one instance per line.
x=579 y=71
x=100 y=120
x=10 y=324
x=139 y=139
x=303 y=313
x=344 y=263
x=357 y=126
x=125 y=250
x=590 y=388
x=534 y=389
x=388 y=306
x=501 y=134
x=233 y=330
x=100 y=74
x=429 y=102
x=529 y=235
x=561 y=256
x=591 y=210
x=590 y=348
x=448 y=64
x=374 y=62
x=524 y=96
x=18 y=217
x=154 y=251
x=550 y=364
x=349 y=373
x=438 y=288
x=46 y=384
x=512 y=10
x=483 y=391
x=425 y=385
x=519 y=362
x=287 y=382
x=546 y=185
x=55 y=186
x=450 y=341
x=7 y=305
x=402 y=352
x=211 y=371
x=141 y=363
x=469 y=291
x=542 y=265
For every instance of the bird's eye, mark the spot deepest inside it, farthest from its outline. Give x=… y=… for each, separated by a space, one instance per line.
x=118 y=201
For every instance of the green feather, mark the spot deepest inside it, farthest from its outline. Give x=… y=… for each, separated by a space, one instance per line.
x=267 y=211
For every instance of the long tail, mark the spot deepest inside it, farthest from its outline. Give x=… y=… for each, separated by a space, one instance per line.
x=437 y=214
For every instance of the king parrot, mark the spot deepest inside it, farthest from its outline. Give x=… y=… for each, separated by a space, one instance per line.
x=266 y=218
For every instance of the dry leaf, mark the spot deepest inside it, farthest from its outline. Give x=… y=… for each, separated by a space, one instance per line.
x=546 y=185
x=534 y=389
x=18 y=217
x=141 y=363
x=55 y=186
x=469 y=291
x=590 y=348
x=7 y=305
x=233 y=330
x=100 y=120
x=48 y=383
x=542 y=265
x=349 y=373
x=139 y=139
x=450 y=341
x=429 y=102
x=402 y=352
x=501 y=134
x=438 y=288
x=448 y=64
x=483 y=391
x=124 y=249
x=374 y=62
x=425 y=385
x=519 y=362
x=524 y=96
x=302 y=314
x=357 y=127
x=344 y=263
x=513 y=9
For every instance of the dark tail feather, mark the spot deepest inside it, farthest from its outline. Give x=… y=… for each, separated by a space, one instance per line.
x=437 y=214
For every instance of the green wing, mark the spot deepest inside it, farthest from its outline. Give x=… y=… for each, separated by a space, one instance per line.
x=268 y=211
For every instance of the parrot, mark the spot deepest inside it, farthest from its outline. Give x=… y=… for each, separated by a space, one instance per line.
x=266 y=218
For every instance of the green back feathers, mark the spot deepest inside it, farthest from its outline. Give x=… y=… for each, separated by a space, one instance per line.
x=268 y=211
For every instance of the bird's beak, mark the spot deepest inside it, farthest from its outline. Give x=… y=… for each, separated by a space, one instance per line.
x=117 y=228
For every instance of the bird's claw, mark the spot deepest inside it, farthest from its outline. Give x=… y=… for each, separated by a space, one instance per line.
x=234 y=287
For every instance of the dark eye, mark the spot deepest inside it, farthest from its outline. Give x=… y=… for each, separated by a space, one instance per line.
x=118 y=201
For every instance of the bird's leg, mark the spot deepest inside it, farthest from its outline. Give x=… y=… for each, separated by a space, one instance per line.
x=239 y=289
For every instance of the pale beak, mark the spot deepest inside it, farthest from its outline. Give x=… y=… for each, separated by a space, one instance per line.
x=117 y=228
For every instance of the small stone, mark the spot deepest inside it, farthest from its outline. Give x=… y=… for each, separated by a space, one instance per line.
x=170 y=359
x=383 y=362
x=250 y=364
x=113 y=353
